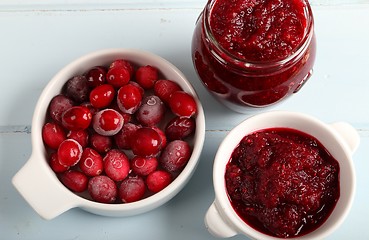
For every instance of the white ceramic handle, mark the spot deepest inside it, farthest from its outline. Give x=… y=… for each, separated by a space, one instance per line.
x=216 y=224
x=47 y=197
x=348 y=133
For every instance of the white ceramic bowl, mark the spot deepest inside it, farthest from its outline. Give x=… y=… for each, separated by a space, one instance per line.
x=39 y=185
x=339 y=138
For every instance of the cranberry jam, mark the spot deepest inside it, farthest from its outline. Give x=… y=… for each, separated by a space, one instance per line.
x=254 y=53
x=282 y=182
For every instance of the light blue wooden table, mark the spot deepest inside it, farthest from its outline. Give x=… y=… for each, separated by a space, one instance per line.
x=37 y=38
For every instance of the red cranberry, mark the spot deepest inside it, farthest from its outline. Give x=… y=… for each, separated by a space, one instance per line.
x=101 y=96
x=158 y=180
x=144 y=165
x=107 y=122
x=182 y=104
x=88 y=105
x=124 y=137
x=77 y=89
x=96 y=76
x=81 y=136
x=55 y=164
x=164 y=89
x=76 y=118
x=179 y=128
x=162 y=136
x=129 y=98
x=91 y=162
x=151 y=112
x=123 y=64
x=100 y=143
x=146 y=76
x=118 y=76
x=53 y=135
x=74 y=180
x=69 y=152
x=132 y=189
x=175 y=156
x=116 y=165
x=58 y=105
x=146 y=142
x=102 y=189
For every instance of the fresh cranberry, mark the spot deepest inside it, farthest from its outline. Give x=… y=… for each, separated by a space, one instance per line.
x=124 y=137
x=69 y=152
x=107 y=122
x=102 y=189
x=179 y=128
x=143 y=166
x=53 y=134
x=175 y=156
x=158 y=180
x=182 y=104
x=124 y=64
x=146 y=76
x=162 y=135
x=96 y=76
x=132 y=189
x=55 y=164
x=77 y=118
x=74 y=180
x=129 y=98
x=164 y=88
x=101 y=96
x=100 y=143
x=77 y=89
x=91 y=162
x=146 y=142
x=58 y=105
x=81 y=136
x=151 y=111
x=118 y=76
x=116 y=165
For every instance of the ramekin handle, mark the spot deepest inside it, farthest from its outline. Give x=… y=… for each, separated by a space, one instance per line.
x=43 y=192
x=216 y=225
x=348 y=133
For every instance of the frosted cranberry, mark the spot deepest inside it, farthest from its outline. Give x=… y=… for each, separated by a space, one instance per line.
x=144 y=165
x=123 y=64
x=52 y=135
x=158 y=180
x=182 y=104
x=132 y=189
x=69 y=152
x=116 y=165
x=58 y=105
x=74 y=180
x=55 y=164
x=76 y=118
x=107 y=122
x=88 y=105
x=129 y=98
x=124 y=137
x=101 y=96
x=164 y=88
x=151 y=111
x=102 y=189
x=100 y=143
x=77 y=89
x=146 y=76
x=91 y=162
x=175 y=155
x=118 y=76
x=146 y=142
x=142 y=91
x=96 y=76
x=162 y=136
x=180 y=128
x=81 y=136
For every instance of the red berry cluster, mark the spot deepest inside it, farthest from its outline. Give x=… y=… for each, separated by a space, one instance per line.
x=119 y=132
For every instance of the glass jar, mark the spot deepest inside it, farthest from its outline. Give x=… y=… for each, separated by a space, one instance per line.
x=245 y=85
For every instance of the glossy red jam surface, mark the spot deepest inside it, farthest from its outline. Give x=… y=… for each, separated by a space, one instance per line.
x=282 y=182
x=240 y=47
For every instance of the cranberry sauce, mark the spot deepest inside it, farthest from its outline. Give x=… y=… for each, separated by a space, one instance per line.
x=282 y=182
x=253 y=54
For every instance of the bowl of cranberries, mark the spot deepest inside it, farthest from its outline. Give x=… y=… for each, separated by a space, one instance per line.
x=283 y=174
x=117 y=132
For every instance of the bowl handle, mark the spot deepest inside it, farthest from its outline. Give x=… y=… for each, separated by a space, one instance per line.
x=216 y=225
x=348 y=133
x=41 y=189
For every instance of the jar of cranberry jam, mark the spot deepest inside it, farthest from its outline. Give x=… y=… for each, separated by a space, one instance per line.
x=252 y=54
